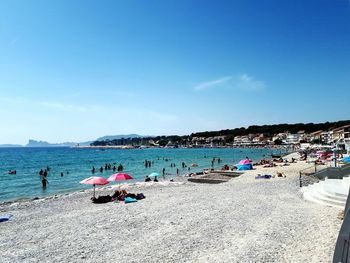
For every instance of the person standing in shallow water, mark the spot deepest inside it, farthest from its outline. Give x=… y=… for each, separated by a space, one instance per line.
x=44 y=181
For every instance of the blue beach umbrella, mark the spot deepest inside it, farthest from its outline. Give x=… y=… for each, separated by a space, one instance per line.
x=346 y=159
x=242 y=167
x=154 y=174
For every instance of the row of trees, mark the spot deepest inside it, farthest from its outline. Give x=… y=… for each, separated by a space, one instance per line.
x=159 y=140
x=270 y=130
x=267 y=130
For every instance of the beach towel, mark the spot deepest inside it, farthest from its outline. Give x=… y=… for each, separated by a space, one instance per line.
x=129 y=200
x=4 y=218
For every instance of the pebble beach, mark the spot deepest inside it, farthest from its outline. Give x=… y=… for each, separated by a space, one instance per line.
x=242 y=220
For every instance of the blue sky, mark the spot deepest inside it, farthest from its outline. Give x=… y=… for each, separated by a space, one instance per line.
x=77 y=70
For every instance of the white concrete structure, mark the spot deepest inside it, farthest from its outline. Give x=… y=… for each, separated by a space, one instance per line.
x=292 y=138
x=331 y=192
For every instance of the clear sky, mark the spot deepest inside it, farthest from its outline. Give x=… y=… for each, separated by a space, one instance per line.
x=78 y=70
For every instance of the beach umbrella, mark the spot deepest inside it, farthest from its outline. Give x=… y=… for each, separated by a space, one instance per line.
x=95 y=180
x=119 y=177
x=245 y=161
x=242 y=167
x=346 y=159
x=154 y=174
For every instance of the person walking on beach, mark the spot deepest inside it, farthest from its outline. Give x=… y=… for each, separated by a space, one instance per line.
x=177 y=171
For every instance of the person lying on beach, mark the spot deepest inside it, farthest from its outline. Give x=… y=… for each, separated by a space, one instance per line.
x=269 y=165
x=101 y=199
x=318 y=161
x=120 y=195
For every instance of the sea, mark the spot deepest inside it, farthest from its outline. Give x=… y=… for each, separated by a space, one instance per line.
x=76 y=164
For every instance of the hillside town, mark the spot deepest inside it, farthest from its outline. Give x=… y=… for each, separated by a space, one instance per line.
x=338 y=137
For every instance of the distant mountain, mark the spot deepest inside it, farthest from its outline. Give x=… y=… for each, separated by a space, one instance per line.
x=10 y=145
x=34 y=143
x=118 y=137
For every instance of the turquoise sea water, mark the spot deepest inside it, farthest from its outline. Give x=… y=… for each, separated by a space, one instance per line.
x=78 y=162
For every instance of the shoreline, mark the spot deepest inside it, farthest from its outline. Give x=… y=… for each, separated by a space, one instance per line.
x=28 y=199
x=141 y=147
x=28 y=167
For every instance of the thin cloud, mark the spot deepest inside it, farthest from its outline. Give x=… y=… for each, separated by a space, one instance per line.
x=65 y=107
x=243 y=82
x=249 y=83
x=212 y=84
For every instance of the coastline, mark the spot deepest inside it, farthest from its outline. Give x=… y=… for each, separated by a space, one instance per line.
x=242 y=220
x=80 y=162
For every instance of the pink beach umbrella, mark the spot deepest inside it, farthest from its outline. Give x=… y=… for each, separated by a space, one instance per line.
x=119 y=177
x=95 y=180
x=245 y=161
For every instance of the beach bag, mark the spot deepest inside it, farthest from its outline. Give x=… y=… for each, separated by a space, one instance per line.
x=140 y=196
